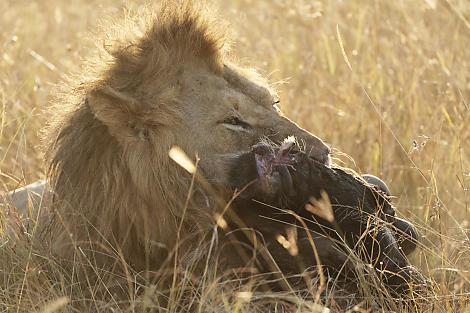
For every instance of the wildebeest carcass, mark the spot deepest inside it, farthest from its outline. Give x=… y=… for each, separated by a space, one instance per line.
x=282 y=186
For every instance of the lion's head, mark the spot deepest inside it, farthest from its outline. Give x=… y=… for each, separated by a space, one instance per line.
x=162 y=80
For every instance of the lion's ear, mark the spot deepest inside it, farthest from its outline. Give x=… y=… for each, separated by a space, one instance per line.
x=120 y=113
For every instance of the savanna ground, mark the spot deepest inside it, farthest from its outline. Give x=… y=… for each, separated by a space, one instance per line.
x=395 y=103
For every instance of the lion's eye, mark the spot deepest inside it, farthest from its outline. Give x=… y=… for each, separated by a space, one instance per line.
x=236 y=121
x=276 y=108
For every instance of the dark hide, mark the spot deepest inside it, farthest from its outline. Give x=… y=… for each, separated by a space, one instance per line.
x=363 y=216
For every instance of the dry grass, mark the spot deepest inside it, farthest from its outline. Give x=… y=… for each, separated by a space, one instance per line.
x=400 y=112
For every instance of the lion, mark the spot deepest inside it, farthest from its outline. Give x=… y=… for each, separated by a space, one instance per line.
x=163 y=79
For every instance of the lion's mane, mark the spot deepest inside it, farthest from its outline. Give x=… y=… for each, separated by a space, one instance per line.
x=113 y=183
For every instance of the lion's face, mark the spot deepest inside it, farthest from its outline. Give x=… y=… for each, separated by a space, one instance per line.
x=228 y=113
x=203 y=111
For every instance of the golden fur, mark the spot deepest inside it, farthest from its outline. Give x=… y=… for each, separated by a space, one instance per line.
x=159 y=80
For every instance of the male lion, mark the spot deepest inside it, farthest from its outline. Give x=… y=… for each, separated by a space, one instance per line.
x=161 y=80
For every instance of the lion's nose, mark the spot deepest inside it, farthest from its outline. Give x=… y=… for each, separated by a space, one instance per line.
x=323 y=157
x=315 y=147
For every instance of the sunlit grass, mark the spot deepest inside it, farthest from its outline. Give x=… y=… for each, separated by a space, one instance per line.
x=399 y=110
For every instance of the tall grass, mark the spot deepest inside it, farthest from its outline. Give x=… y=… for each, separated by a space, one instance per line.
x=394 y=102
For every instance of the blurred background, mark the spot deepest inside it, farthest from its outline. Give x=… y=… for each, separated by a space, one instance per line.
x=399 y=111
